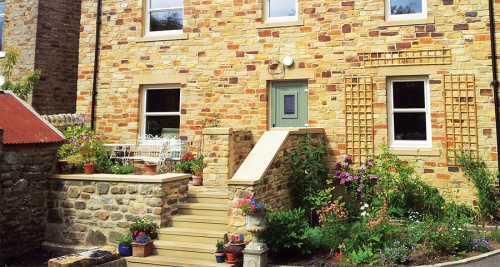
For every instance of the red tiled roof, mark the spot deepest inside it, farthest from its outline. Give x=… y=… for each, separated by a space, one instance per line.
x=22 y=124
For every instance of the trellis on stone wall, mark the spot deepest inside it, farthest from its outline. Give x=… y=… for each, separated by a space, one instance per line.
x=406 y=57
x=358 y=106
x=460 y=113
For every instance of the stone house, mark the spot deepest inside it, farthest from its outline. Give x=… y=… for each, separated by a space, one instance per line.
x=28 y=154
x=414 y=75
x=46 y=35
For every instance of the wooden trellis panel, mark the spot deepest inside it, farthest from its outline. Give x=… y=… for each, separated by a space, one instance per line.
x=461 y=117
x=358 y=106
x=407 y=57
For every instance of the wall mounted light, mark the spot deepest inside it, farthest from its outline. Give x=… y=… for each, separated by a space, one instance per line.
x=288 y=61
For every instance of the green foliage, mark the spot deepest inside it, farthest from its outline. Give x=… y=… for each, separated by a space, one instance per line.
x=398 y=252
x=212 y=122
x=495 y=234
x=120 y=169
x=403 y=189
x=309 y=174
x=287 y=230
x=126 y=239
x=143 y=225
x=84 y=145
x=363 y=255
x=24 y=87
x=219 y=246
x=441 y=237
x=476 y=171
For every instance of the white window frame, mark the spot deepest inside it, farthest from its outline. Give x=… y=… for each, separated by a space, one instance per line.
x=144 y=114
x=390 y=17
x=393 y=143
x=267 y=18
x=148 y=18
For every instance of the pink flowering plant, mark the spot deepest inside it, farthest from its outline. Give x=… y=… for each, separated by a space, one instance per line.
x=236 y=239
x=249 y=204
x=358 y=181
x=142 y=237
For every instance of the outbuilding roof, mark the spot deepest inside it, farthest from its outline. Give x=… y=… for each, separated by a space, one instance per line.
x=22 y=124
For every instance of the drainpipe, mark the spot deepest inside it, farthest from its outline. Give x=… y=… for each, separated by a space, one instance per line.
x=495 y=80
x=96 y=64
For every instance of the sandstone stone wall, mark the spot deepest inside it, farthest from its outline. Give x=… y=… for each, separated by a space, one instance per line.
x=85 y=212
x=221 y=65
x=274 y=188
x=46 y=35
x=224 y=150
x=24 y=171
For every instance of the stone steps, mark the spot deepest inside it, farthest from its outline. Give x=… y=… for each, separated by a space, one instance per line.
x=190 y=238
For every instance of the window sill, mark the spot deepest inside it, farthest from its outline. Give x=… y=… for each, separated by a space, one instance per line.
x=275 y=24
x=182 y=36
x=389 y=23
x=415 y=151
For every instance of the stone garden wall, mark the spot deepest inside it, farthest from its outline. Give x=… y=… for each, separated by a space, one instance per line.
x=86 y=211
x=24 y=172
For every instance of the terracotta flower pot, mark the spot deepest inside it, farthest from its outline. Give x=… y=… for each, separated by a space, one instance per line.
x=142 y=249
x=150 y=169
x=231 y=258
x=198 y=179
x=89 y=168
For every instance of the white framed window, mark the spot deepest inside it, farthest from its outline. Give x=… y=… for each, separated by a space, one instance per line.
x=280 y=10
x=409 y=112
x=164 y=17
x=405 y=9
x=160 y=110
x=2 y=23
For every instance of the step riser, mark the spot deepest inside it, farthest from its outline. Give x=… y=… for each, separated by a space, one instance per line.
x=186 y=254
x=215 y=213
x=221 y=227
x=194 y=239
x=194 y=199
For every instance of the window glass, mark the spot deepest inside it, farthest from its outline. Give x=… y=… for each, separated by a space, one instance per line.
x=164 y=16
x=161 y=110
x=2 y=21
x=405 y=9
x=289 y=103
x=409 y=116
x=282 y=8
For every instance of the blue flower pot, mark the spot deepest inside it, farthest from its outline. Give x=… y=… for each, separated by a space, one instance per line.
x=125 y=250
x=219 y=257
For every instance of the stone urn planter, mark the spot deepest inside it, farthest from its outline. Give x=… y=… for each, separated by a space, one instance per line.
x=256 y=225
x=142 y=249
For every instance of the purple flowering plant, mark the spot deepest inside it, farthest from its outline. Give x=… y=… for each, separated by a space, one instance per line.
x=358 y=180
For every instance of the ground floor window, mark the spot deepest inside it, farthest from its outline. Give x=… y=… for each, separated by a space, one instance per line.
x=409 y=115
x=160 y=110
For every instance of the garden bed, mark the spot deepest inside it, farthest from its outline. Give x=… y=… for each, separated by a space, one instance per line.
x=325 y=259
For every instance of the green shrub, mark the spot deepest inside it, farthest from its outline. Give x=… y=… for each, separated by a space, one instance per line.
x=363 y=255
x=476 y=171
x=287 y=230
x=398 y=252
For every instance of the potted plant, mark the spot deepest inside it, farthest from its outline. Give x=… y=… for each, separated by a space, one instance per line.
x=143 y=225
x=125 y=245
x=143 y=245
x=219 y=251
x=197 y=169
x=233 y=253
x=236 y=245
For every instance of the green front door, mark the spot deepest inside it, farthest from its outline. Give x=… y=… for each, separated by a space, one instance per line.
x=289 y=104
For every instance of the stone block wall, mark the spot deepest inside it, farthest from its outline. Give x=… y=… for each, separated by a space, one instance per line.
x=221 y=60
x=24 y=172
x=47 y=36
x=85 y=212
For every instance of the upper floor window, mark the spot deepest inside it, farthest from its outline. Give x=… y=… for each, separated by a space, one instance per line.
x=409 y=113
x=280 y=10
x=2 y=22
x=405 y=9
x=160 y=110
x=164 y=17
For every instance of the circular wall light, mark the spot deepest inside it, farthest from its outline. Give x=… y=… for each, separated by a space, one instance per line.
x=287 y=61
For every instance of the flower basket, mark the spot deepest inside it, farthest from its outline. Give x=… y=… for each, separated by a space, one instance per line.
x=142 y=249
